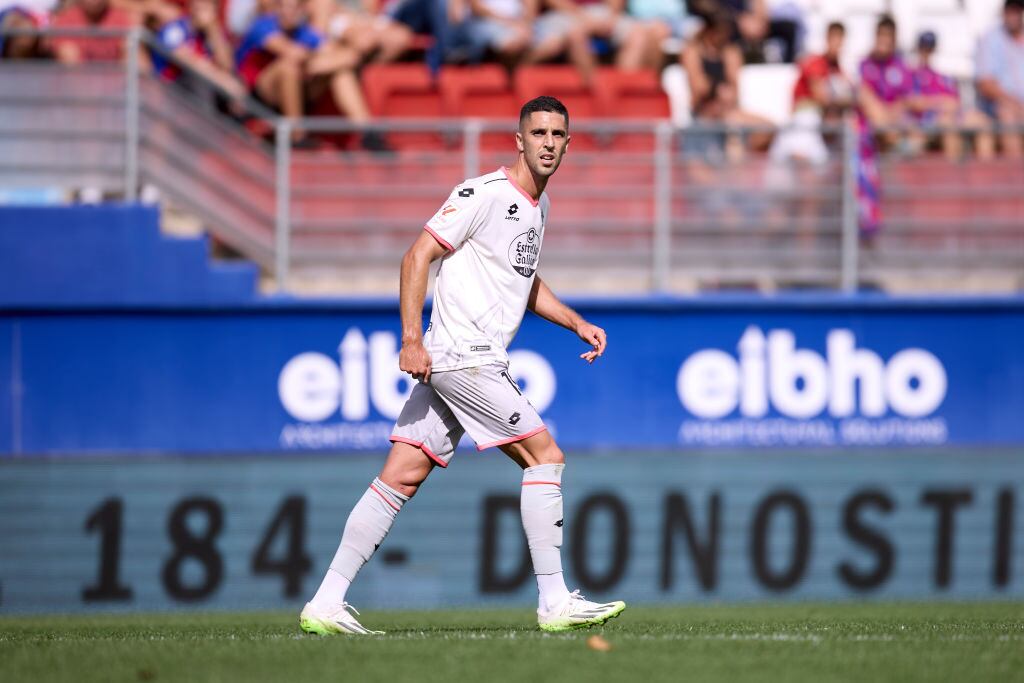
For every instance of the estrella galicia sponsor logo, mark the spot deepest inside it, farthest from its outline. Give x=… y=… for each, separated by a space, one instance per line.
x=512 y=210
x=524 y=252
x=351 y=399
x=772 y=393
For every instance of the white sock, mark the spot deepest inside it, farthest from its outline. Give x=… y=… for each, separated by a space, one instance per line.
x=368 y=524
x=553 y=592
x=541 y=508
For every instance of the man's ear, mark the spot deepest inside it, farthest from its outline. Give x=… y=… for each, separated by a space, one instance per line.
x=519 y=142
x=568 y=139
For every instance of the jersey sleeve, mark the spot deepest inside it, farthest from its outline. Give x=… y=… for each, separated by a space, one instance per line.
x=458 y=218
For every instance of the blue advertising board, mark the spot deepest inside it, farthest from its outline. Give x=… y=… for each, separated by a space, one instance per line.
x=246 y=533
x=706 y=373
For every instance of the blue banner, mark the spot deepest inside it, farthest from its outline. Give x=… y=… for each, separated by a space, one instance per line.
x=802 y=372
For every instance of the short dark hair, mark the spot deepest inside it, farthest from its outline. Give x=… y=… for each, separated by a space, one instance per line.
x=886 y=22
x=543 y=103
x=835 y=27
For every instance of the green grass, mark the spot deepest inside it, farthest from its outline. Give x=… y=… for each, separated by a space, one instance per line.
x=864 y=642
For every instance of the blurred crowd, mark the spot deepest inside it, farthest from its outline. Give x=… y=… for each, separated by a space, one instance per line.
x=288 y=54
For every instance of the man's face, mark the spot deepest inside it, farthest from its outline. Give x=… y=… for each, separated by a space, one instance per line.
x=543 y=138
x=291 y=13
x=1013 y=19
x=834 y=43
x=885 y=42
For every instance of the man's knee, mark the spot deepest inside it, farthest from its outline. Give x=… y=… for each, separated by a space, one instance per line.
x=550 y=454
x=406 y=469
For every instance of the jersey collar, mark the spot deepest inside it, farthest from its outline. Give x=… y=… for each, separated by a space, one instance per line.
x=523 y=192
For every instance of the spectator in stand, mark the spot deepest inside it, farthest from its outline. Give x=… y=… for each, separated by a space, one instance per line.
x=821 y=95
x=435 y=18
x=886 y=84
x=583 y=21
x=360 y=25
x=100 y=14
x=199 y=42
x=21 y=46
x=935 y=101
x=285 y=63
x=761 y=38
x=712 y=63
x=502 y=27
x=1000 y=74
x=661 y=20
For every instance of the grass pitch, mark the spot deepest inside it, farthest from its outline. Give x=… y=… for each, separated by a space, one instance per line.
x=863 y=642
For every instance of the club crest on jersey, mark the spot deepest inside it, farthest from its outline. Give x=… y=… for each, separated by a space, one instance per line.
x=524 y=252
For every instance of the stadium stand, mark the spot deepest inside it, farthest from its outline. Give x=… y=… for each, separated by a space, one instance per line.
x=748 y=221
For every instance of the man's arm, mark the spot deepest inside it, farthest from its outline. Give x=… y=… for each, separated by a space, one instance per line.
x=414 y=358
x=544 y=303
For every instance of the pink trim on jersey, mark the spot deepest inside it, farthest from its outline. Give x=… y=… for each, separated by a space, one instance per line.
x=532 y=201
x=385 y=498
x=513 y=439
x=538 y=483
x=440 y=240
x=420 y=445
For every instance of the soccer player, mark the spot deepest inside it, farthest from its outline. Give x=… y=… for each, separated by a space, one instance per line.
x=488 y=237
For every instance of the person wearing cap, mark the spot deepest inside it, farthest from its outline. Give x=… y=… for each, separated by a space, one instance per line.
x=935 y=103
x=1000 y=76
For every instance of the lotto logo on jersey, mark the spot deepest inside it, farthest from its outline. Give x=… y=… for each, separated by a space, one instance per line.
x=524 y=252
x=849 y=395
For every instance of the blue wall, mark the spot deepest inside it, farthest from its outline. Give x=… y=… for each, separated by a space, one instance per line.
x=284 y=375
x=109 y=254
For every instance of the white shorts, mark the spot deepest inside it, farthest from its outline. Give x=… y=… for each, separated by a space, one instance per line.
x=484 y=401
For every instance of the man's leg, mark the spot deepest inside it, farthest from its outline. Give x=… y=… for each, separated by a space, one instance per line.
x=426 y=434
x=492 y=409
x=541 y=507
x=370 y=520
x=540 y=504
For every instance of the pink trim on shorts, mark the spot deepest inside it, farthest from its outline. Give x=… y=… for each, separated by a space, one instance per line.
x=538 y=483
x=440 y=240
x=420 y=445
x=385 y=498
x=513 y=439
x=532 y=201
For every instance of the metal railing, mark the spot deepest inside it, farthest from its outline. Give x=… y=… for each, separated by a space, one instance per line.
x=638 y=203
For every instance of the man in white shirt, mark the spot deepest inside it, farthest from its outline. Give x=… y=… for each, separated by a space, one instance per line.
x=1000 y=76
x=488 y=236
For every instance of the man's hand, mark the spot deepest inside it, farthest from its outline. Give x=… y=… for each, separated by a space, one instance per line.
x=593 y=335
x=415 y=359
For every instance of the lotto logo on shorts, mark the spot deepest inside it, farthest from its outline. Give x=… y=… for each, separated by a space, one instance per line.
x=514 y=420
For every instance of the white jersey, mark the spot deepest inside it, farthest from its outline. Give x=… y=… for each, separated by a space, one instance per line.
x=493 y=232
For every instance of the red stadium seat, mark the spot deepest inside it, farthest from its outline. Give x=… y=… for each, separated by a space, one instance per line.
x=481 y=92
x=404 y=91
x=565 y=83
x=631 y=95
